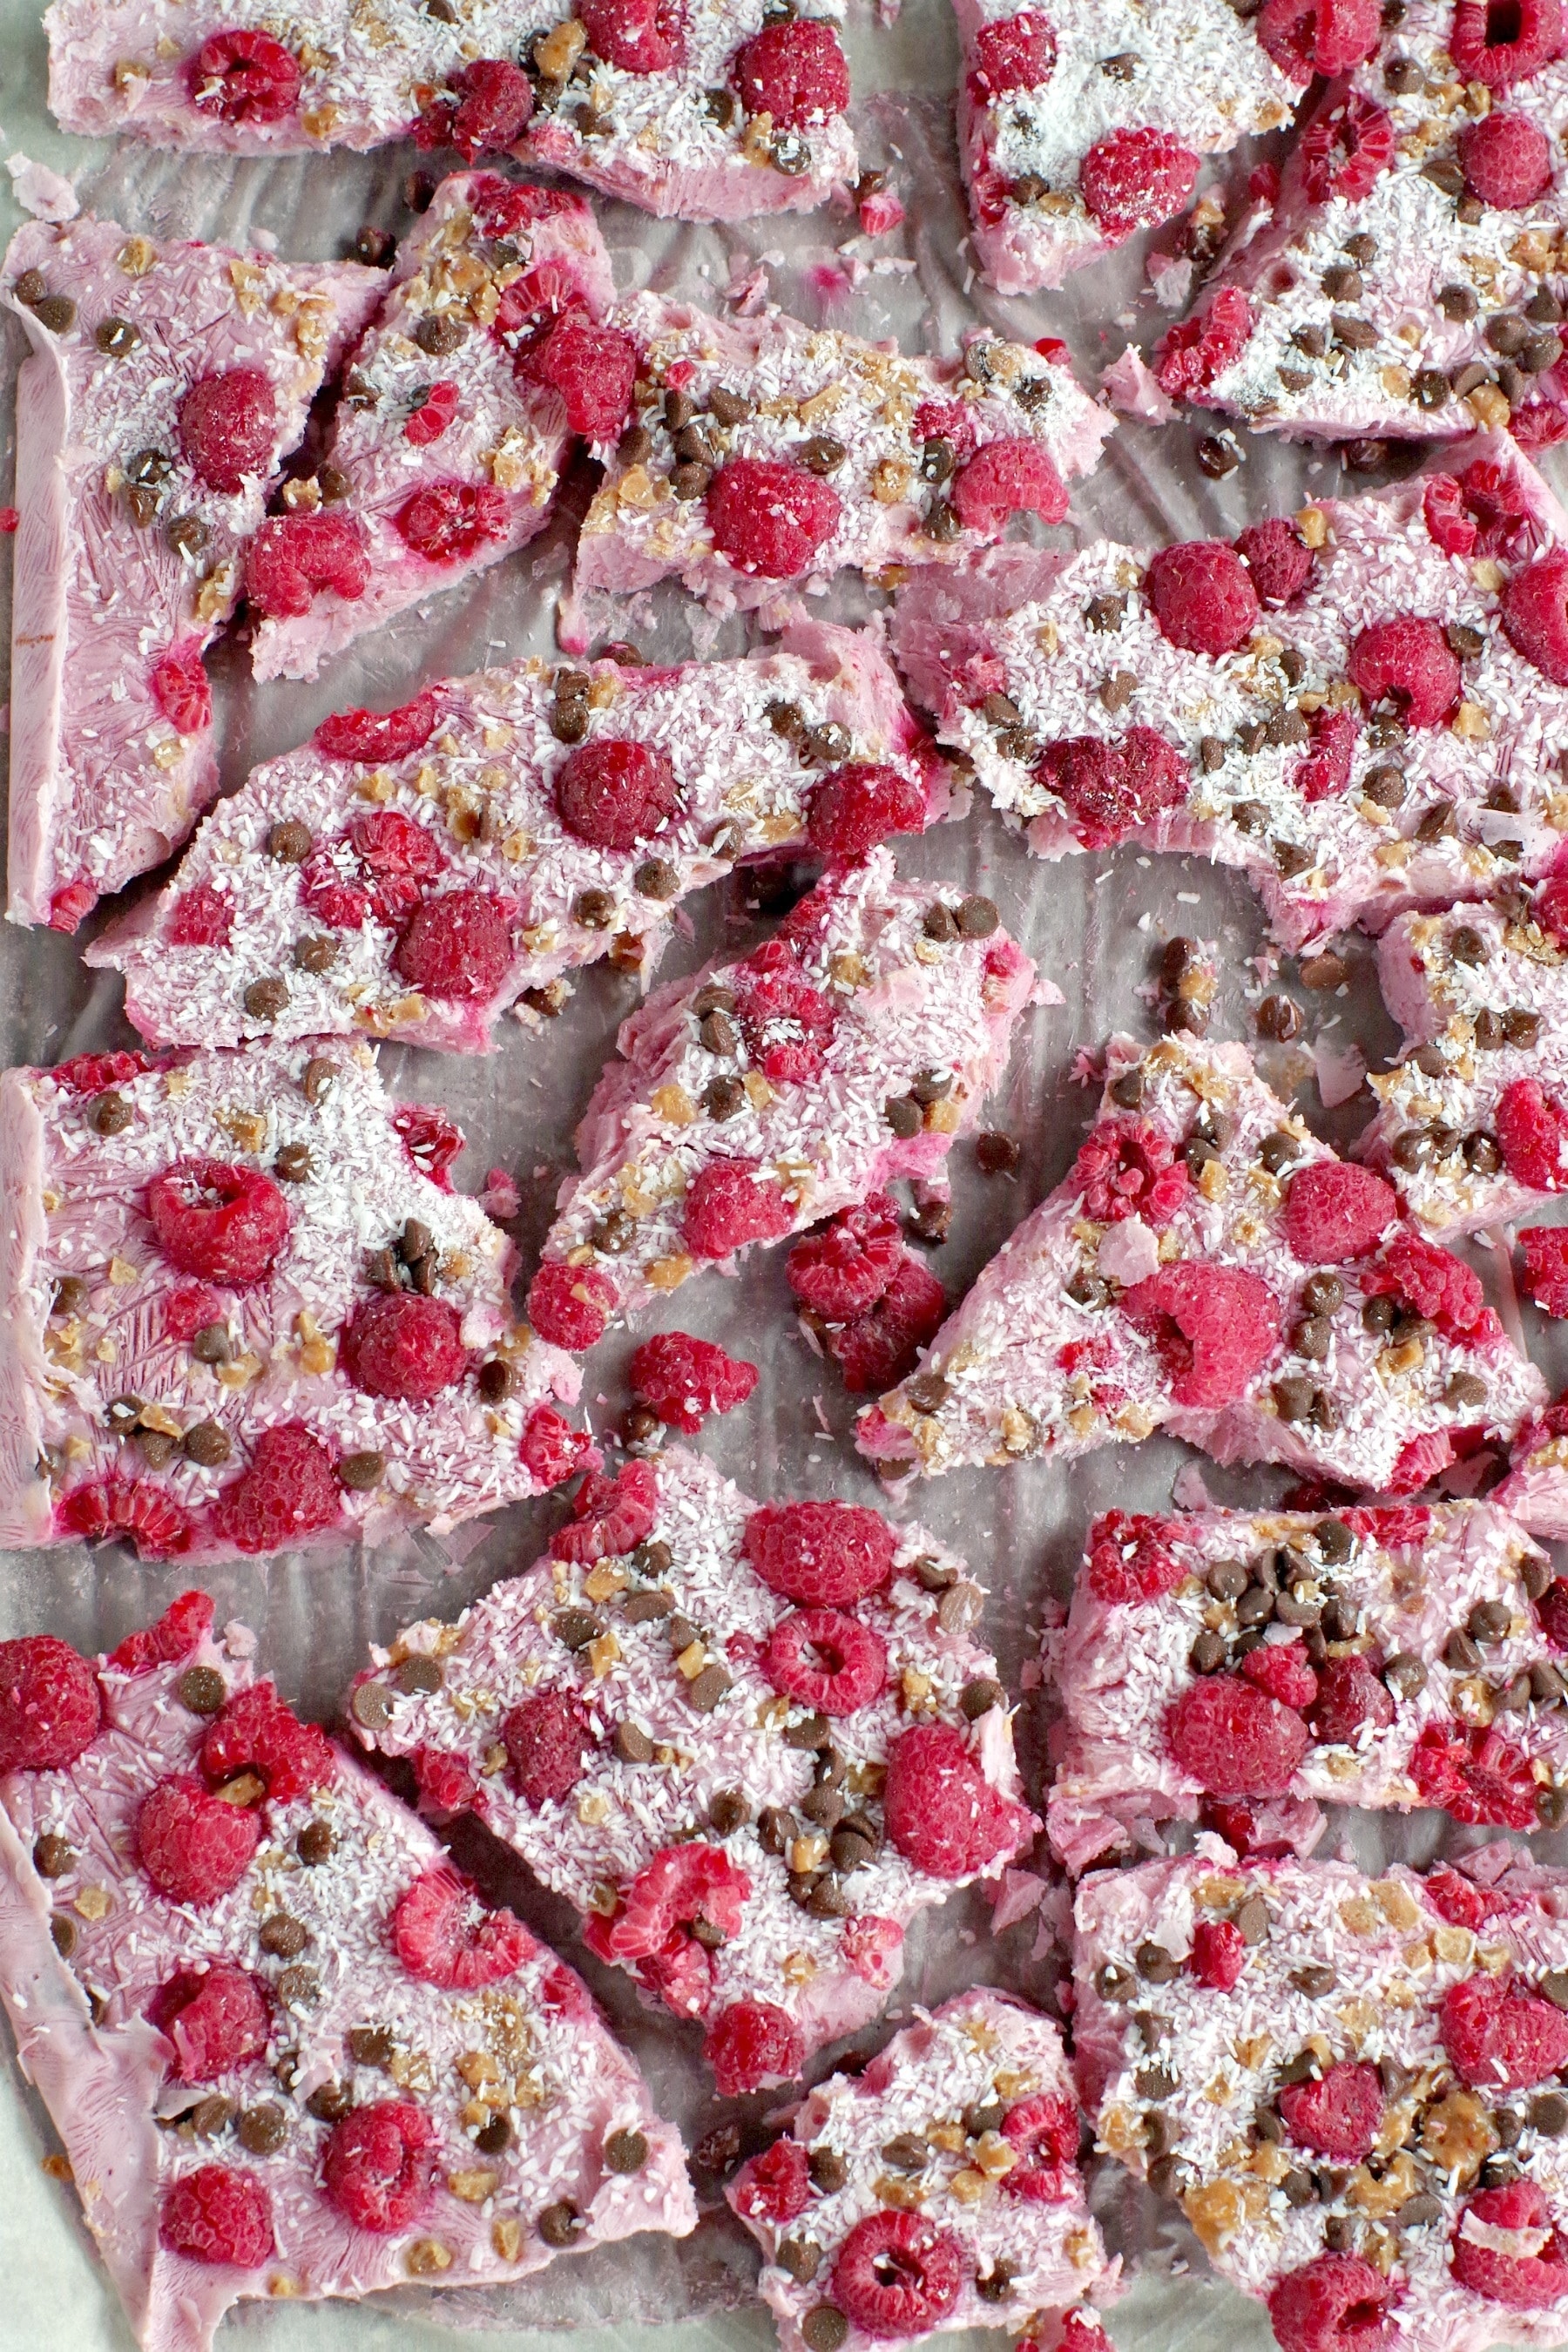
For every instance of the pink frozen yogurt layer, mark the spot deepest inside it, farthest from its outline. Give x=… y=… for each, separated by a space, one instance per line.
x=1277 y=736
x=880 y=459
x=129 y=559
x=973 y=2112
x=245 y=1307
x=1348 y=2083
x=1398 y=1654
x=1210 y=1268
x=420 y=889
x=441 y=459
x=708 y=1135
x=721 y=1783
x=229 y=2044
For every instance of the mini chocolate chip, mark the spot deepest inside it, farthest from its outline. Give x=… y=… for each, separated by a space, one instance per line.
x=1279 y=1017
x=297 y=1988
x=978 y=1698
x=290 y=842
x=315 y=1844
x=261 y=2131
x=440 y=334
x=827 y=2169
x=823 y=2328
x=902 y=1116
x=1251 y=1921
x=657 y=878
x=283 y=1937
x=201 y=1690
x=372 y=1705
x=109 y=1114
x=208 y=1444
x=1488 y=1620
x=55 y=311
x=996 y=1154
x=1155 y=1964
x=728 y=1810
x=329 y=2103
x=418 y=1676
x=976 y=918
x=266 y=999
x=360 y=1473
x=293 y=1163
x=1405 y=1675
x=494 y=2137
x=1277 y=1150
x=1207 y=1654
x=52 y=1855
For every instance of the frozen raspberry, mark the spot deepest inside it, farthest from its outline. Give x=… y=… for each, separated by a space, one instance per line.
x=1203 y=596
x=684 y=1380
x=200 y=916
x=881 y=1347
x=570 y=1306
x=1326 y=36
x=640 y=37
x=244 y=77
x=775 y=2186
x=1496 y=505
x=1527 y=2280
x=180 y=688
x=396 y=855
x=223 y=1223
x=399 y=1344
x=1506 y=160
x=1044 y=2131
x=1006 y=478
x=49 y=1704
x=730 y=1204
x=1325 y=771
x=615 y=793
x=379 y=2164
x=848 y=1265
x=870 y=1944
x=1193 y=353
x=443 y=1935
x=228 y=426
x=181 y=1629
x=1215 y=1327
x=294 y=556
x=767 y=515
x=1474 y=1775
x=828 y=1661
x=898 y=2274
x=1339 y=2116
x=1449 y=524
x=1277 y=559
x=552 y=1450
x=437 y=408
x=1335 y=1212
x=1500 y=2036
x=820 y=1554
x=1131 y=1560
x=1109 y=790
x=684 y=1886
x=445 y=1783
x=217 y=2214
x=1553 y=1611
x=1546 y=1249
x=1234 y=1740
x=1218 y=1955
x=1535 y=614
x=592 y=369
x=786 y=1022
x=750 y=2044
x=1127 y=1168
x=495 y=100
x=216 y=2020
x=193 y=1846
x=160 y=1526
x=430 y=1140
x=940 y=1810
x=446 y=521
x=378 y=736
x=952 y=421
x=1406 y=661
x=86 y=1075
x=1014 y=53
x=1344 y=151
x=1350 y=1697
x=795 y=74
x=1532 y=1136
x=1131 y=179
x=1081 y=2331
x=288 y=1490
x=456 y=946
x=612 y=1515
x=1551 y=909
x=1503 y=45
x=191 y=1308
x=1418 y=1461
x=549 y=1740
x=1335 y=2303
x=853 y=808
x=1460 y=1901
x=259 y=1732
x=1282 y=1669
x=1431 y=1280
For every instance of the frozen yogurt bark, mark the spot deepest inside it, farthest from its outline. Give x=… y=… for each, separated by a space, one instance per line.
x=287 y=2051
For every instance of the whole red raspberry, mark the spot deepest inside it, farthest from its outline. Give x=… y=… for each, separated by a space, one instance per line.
x=183 y=1627
x=1499 y=506
x=639 y=37
x=1200 y=348
x=1340 y=2115
x=549 y=1740
x=552 y=1450
x=86 y=1075
x=216 y=2018
x=456 y=945
x=775 y=2186
x=1406 y=661
x=379 y=2165
x=685 y=1891
x=683 y=1380
x=1326 y=36
x=1519 y=2215
x=201 y=917
x=1500 y=2036
x=611 y=1516
x=1432 y=1281
x=1449 y=523
x=445 y=1783
x=750 y=2044
x=876 y=1350
x=160 y=1526
x=1012 y=53
x=826 y=1660
x=852 y=808
x=898 y=2274
x=495 y=100
x=1234 y=1740
x=731 y=1204
x=1218 y=1955
x=51 y=1708
x=293 y=556
x=615 y=793
x=1109 y=790
x=1344 y=151
x=1545 y=1252
x=820 y=1554
x=846 y=1265
x=1325 y=771
x=1215 y=1327
x=769 y=516
x=448 y=520
x=1335 y=2303
x=1279 y=559
x=1282 y=1669
x=1551 y=907
x=445 y=1936
x=228 y=427
x=1506 y=160
x=1532 y=1136
x=1044 y=2131
x=1335 y=1212
x=180 y=686
x=570 y=1306
x=1352 y=1697
x=1474 y=1774
x=1202 y=594
x=216 y=2214
x=288 y=1490
x=244 y=77
x=940 y=1810
x=1502 y=46
x=223 y=1223
x=379 y=737
x=193 y=1846
x=1127 y=1168
x=1130 y=1560
x=593 y=368
x=1004 y=479
x=1132 y=178
x=1460 y=1901
x=952 y=421
x=786 y=1022
x=793 y=72
x=399 y=1344
x=259 y=1732
x=1535 y=614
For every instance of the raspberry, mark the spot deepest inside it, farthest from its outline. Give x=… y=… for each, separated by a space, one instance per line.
x=1432 y=1281
x=49 y=1704
x=750 y=2044
x=775 y=2186
x=1014 y=53
x=259 y=1732
x=727 y=1207
x=1460 y=1901
x=223 y=1223
x=1553 y=1611
x=684 y=1380
x=1335 y=2303
x=1546 y=1249
x=1500 y=2037
x=446 y=521
x=768 y=516
x=86 y=1075
x=852 y=808
x=399 y=1344
x=1279 y=559
x=1234 y=1740
x=1343 y=151
x=1044 y=2131
x=640 y=37
x=1498 y=509
x=1193 y=353
x=1522 y=2281
x=377 y=736
x=293 y=555
x=1203 y=596
x=1532 y=1136
x=216 y=2020
x=181 y=1629
x=1351 y=1696
x=1551 y=909
x=193 y=1846
x=1506 y=160
x=683 y=1885
x=502 y=207
x=613 y=1516
x=396 y=855
x=1110 y=789
x=160 y=1526
x=456 y=946
x=898 y=2274
x=615 y=793
x=431 y=1141
x=1130 y=1559
x=216 y=2214
x=1325 y=770
x=1006 y=478
x=938 y=1809
x=1535 y=614
x=828 y=1662
x=288 y=1489
x=1081 y=2331
x=244 y=77
x=200 y=917
x=1449 y=524
x=1213 y=1326
x=793 y=72
x=952 y=421
x=592 y=369
x=435 y=413
x=1335 y=1211
x=881 y=1347
x=570 y=1306
x=820 y=1554
x=552 y=1450
x=228 y=426
x=445 y=1783
x=444 y=1936
x=845 y=1268
x=1326 y=36
x=495 y=100
x=1406 y=661
x=180 y=686
x=1219 y=1954
x=1340 y=2115
x=1473 y=1775
x=786 y=1022
x=1503 y=45
x=1281 y=1668
x=1131 y=179
x=378 y=2166
x=1418 y=1461
x=1126 y=1167
x=870 y=1944
x=548 y=1739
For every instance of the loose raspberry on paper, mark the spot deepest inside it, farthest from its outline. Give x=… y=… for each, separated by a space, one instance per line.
x=1218 y=1955
x=1130 y=1560
x=683 y=1380
x=1215 y=1327
x=430 y=1140
x=612 y=1515
x=615 y=793
x=940 y=1811
x=1501 y=2036
x=1204 y=597
x=228 y=427
x=159 y=1526
x=217 y=2214
x=1234 y=1740
x=1004 y=479
x=820 y=1554
x=593 y=368
x=1326 y=36
x=853 y=808
x=379 y=737
x=552 y=1451
x=288 y=1490
x=1132 y=179
x=293 y=556
x=1532 y=1136
x=846 y=1265
x=897 y=2275
x=750 y=2044
x=1335 y=1210
x=570 y=1306
x=1192 y=353
x=1475 y=1774
x=549 y=1740
x=445 y=1936
x=181 y=1629
x=1350 y=1697
x=1044 y=2131
x=775 y=2186
x=1128 y=1168
x=259 y=1732
x=731 y=1204
x=1535 y=614
x=1545 y=1253
x=1506 y=160
x=448 y=521
x=1340 y=2115
x=826 y=1660
x=1014 y=53
x=1344 y=151
x=1282 y=1669
x=1109 y=790
x=1503 y=45
x=1406 y=661
x=1336 y=2302
x=767 y=515
x=181 y=689
x=223 y=1223
x=193 y=1846
x=216 y=2020
x=379 y=2164
x=51 y=1708
x=793 y=72
x=1524 y=2281
x=876 y=1350
x=1279 y=559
